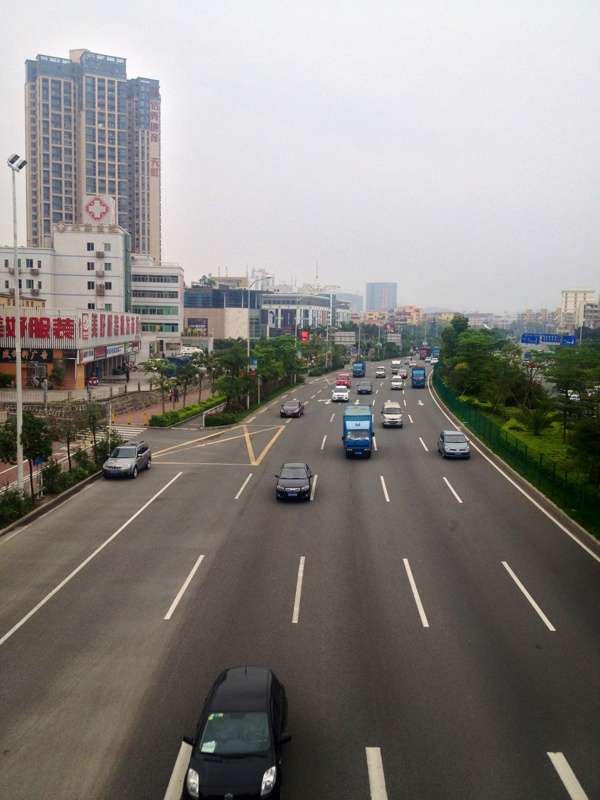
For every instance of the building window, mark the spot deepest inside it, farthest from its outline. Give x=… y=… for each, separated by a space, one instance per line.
x=6 y=263
x=39 y=284
x=6 y=284
x=90 y=266
x=39 y=266
x=29 y=284
x=108 y=285
x=29 y=263
x=108 y=306
x=107 y=267
x=107 y=247
x=90 y=247
x=91 y=305
x=91 y=284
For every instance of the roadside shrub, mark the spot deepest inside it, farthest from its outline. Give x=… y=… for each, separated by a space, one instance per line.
x=13 y=505
x=52 y=477
x=174 y=416
x=5 y=380
x=82 y=459
x=214 y=420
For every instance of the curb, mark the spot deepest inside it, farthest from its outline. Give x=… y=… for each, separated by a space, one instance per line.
x=51 y=504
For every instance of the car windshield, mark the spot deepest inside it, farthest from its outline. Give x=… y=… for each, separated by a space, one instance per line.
x=123 y=452
x=293 y=472
x=355 y=435
x=454 y=438
x=236 y=733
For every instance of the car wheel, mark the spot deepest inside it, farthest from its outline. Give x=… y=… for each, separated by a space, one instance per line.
x=149 y=464
x=134 y=472
x=105 y=476
x=443 y=454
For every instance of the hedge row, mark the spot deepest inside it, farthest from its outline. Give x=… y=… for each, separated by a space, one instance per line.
x=180 y=414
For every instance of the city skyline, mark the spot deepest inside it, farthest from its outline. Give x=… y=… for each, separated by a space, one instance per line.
x=450 y=151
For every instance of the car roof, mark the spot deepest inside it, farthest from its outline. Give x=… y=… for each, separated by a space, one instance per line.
x=242 y=689
x=293 y=465
x=452 y=431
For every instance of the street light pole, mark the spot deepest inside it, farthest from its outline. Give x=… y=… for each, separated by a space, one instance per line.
x=16 y=163
x=250 y=285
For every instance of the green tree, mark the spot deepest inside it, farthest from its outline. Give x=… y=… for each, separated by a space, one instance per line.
x=161 y=376
x=67 y=427
x=584 y=447
x=35 y=438
x=93 y=419
x=186 y=377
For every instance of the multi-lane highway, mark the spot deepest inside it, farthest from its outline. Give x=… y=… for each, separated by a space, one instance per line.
x=437 y=632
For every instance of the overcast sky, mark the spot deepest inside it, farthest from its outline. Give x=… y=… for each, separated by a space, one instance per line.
x=452 y=147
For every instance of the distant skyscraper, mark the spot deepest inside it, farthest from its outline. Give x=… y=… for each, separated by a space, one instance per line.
x=381 y=296
x=91 y=132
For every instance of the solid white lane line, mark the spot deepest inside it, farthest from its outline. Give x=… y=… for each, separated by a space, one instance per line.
x=323 y=442
x=374 y=444
x=529 y=597
x=183 y=588
x=244 y=485
x=523 y=491
x=567 y=776
x=385 y=491
x=447 y=482
x=175 y=787
x=332 y=416
x=314 y=486
x=298 y=591
x=412 y=423
x=423 y=443
x=415 y=592
x=376 y=776
x=85 y=562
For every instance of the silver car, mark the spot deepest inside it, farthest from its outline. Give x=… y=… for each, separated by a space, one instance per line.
x=127 y=460
x=453 y=444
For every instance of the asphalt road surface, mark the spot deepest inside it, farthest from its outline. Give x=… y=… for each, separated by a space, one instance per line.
x=437 y=632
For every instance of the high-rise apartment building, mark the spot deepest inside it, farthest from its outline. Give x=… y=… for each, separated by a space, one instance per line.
x=92 y=132
x=381 y=296
x=572 y=304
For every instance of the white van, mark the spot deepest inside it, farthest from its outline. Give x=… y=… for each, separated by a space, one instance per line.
x=391 y=414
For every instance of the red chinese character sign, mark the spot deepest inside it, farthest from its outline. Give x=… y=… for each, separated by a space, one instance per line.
x=67 y=329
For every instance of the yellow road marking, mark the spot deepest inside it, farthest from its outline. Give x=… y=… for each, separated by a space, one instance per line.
x=249 y=446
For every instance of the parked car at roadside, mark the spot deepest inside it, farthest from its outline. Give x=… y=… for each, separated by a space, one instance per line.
x=127 y=460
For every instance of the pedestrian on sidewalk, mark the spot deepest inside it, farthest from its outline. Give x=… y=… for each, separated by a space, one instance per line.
x=176 y=394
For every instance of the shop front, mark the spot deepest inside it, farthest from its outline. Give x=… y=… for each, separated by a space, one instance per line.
x=75 y=346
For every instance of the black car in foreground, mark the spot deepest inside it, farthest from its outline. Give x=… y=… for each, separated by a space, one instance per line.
x=236 y=750
x=292 y=408
x=294 y=481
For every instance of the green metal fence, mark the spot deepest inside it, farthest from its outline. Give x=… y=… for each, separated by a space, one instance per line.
x=578 y=499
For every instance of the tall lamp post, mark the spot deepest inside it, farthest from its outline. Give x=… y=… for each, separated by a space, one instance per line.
x=16 y=163
x=250 y=285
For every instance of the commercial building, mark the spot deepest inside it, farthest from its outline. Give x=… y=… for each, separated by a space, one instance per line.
x=91 y=131
x=381 y=296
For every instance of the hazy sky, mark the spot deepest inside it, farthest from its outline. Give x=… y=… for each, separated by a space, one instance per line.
x=453 y=147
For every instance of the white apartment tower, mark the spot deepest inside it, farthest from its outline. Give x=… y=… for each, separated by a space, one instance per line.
x=91 y=131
